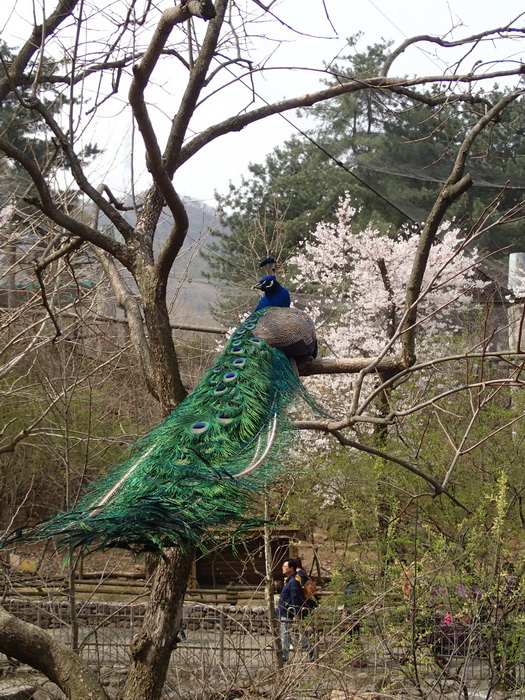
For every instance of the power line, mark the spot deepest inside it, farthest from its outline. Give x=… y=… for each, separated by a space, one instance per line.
x=328 y=154
x=427 y=178
x=340 y=164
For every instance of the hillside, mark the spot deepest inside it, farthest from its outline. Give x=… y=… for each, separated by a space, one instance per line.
x=189 y=293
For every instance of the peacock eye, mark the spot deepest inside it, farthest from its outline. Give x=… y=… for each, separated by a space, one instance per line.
x=256 y=341
x=237 y=351
x=220 y=390
x=250 y=326
x=223 y=419
x=199 y=428
x=239 y=362
x=230 y=376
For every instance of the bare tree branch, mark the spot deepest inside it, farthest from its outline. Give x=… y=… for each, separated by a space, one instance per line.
x=438 y=488
x=62 y=11
x=55 y=212
x=474 y=39
x=394 y=85
x=456 y=184
x=36 y=647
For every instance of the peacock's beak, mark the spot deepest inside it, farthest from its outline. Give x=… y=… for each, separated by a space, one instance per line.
x=257 y=286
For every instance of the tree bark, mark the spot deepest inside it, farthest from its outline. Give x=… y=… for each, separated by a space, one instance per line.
x=170 y=390
x=31 y=645
x=151 y=649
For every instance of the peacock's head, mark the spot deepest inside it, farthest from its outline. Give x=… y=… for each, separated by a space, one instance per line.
x=274 y=293
x=267 y=284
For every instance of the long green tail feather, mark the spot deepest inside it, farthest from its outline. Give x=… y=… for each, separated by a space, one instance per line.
x=197 y=472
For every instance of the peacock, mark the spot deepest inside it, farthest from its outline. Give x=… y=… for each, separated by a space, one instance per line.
x=198 y=471
x=274 y=293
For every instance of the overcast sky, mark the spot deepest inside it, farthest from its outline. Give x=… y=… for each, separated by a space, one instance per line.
x=227 y=158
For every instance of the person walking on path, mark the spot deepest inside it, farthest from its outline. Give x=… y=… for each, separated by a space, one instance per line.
x=290 y=605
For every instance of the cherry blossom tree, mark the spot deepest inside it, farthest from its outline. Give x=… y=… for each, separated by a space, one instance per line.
x=363 y=276
x=366 y=279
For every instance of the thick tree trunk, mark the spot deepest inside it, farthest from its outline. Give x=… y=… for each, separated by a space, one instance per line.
x=168 y=382
x=165 y=366
x=31 y=645
x=151 y=649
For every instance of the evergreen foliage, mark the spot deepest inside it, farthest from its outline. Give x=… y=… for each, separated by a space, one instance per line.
x=402 y=150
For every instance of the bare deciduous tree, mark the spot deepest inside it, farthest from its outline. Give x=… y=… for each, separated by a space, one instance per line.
x=145 y=47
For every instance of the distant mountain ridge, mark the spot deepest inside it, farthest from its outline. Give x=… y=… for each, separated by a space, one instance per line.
x=188 y=290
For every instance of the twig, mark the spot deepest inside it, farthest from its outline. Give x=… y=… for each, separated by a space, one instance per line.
x=45 y=302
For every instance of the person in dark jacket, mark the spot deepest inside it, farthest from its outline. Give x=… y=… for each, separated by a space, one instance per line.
x=290 y=605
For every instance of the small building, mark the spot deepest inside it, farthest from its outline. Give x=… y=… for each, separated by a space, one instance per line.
x=242 y=561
